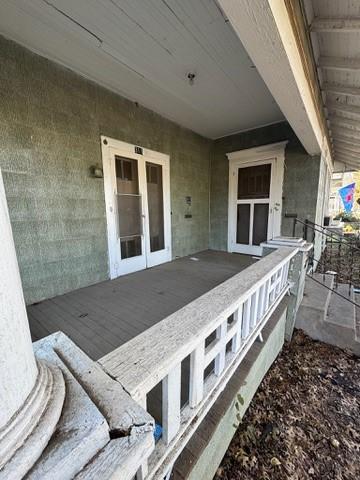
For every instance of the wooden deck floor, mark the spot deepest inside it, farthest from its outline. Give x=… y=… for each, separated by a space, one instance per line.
x=101 y=317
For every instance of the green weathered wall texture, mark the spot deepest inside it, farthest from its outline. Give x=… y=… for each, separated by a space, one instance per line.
x=50 y=124
x=301 y=178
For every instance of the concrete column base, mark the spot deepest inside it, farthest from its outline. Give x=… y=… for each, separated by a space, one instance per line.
x=24 y=438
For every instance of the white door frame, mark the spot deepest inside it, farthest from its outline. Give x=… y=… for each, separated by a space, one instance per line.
x=117 y=266
x=274 y=154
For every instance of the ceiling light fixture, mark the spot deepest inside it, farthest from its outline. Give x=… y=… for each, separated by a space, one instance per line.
x=191 y=77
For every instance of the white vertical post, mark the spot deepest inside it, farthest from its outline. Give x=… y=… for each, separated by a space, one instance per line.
x=246 y=318
x=272 y=288
x=171 y=387
x=221 y=332
x=254 y=309
x=196 y=385
x=143 y=471
x=261 y=302
x=279 y=277
x=236 y=341
x=266 y=295
x=285 y=274
x=18 y=370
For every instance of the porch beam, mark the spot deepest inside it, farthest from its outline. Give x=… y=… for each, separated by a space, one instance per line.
x=328 y=25
x=339 y=63
x=343 y=107
x=341 y=89
x=267 y=33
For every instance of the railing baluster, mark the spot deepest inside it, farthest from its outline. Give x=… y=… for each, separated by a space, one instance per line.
x=272 y=289
x=246 y=318
x=266 y=295
x=254 y=309
x=196 y=387
x=171 y=386
x=279 y=280
x=236 y=341
x=142 y=473
x=261 y=301
x=220 y=357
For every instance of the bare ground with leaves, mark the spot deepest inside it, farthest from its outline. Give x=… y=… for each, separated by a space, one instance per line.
x=304 y=422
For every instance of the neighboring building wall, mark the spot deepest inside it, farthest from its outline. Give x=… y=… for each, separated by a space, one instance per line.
x=301 y=179
x=51 y=121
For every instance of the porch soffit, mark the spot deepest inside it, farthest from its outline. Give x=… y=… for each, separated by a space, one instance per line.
x=335 y=34
x=266 y=31
x=145 y=51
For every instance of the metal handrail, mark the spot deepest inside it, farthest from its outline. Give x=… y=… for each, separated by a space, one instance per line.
x=320 y=229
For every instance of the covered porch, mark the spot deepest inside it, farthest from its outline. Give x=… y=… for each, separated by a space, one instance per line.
x=101 y=317
x=149 y=154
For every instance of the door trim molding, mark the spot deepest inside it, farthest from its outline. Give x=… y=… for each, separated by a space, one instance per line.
x=128 y=150
x=274 y=153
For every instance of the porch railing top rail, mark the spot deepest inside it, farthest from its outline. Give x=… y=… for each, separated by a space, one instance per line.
x=142 y=363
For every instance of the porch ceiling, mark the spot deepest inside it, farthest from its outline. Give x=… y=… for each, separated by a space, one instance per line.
x=335 y=34
x=144 y=50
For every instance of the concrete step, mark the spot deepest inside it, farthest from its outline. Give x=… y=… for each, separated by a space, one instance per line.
x=316 y=300
x=325 y=316
x=340 y=311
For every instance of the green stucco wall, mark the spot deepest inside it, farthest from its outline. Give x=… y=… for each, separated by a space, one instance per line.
x=50 y=123
x=301 y=178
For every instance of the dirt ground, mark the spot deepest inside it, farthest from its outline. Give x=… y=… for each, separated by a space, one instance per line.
x=304 y=422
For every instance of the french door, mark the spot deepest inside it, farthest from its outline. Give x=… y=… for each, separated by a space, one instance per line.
x=137 y=195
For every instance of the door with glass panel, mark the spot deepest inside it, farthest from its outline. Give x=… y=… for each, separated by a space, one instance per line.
x=253 y=215
x=138 y=207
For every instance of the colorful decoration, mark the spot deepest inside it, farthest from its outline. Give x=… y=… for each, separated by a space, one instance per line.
x=347 y=196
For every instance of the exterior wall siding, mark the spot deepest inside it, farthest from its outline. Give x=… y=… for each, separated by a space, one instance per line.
x=301 y=179
x=51 y=121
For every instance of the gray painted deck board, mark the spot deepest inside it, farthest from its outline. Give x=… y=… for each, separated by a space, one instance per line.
x=101 y=317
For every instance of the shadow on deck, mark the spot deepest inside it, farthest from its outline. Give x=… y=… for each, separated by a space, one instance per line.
x=101 y=317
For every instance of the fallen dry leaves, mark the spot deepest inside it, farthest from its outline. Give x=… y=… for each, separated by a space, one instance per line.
x=304 y=422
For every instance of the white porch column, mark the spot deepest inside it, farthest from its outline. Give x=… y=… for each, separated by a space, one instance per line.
x=31 y=392
x=18 y=370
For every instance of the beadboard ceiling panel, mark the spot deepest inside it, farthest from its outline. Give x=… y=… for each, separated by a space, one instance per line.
x=145 y=49
x=335 y=33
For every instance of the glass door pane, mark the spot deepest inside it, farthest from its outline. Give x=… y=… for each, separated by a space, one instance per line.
x=243 y=223
x=254 y=182
x=154 y=182
x=260 y=223
x=129 y=207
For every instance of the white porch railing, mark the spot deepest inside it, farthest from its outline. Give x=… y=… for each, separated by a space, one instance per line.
x=234 y=313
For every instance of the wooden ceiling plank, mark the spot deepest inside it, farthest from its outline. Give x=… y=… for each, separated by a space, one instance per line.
x=343 y=107
x=350 y=156
x=348 y=148
x=339 y=63
x=341 y=89
x=348 y=163
x=328 y=25
x=348 y=134
x=347 y=140
x=340 y=121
